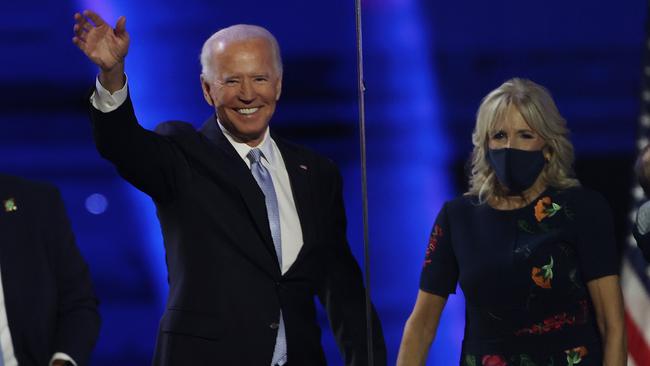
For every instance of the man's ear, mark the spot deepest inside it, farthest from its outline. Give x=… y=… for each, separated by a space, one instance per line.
x=205 y=85
x=278 y=89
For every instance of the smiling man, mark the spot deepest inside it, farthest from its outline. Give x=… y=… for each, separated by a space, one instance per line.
x=254 y=226
x=242 y=79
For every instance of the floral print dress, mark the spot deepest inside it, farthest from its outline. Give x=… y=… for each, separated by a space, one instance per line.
x=524 y=273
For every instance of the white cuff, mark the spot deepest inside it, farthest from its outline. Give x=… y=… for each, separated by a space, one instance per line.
x=106 y=102
x=61 y=356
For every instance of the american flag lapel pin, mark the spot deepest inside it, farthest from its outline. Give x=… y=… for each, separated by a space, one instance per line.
x=10 y=205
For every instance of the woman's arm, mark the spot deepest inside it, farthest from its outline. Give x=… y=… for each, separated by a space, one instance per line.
x=608 y=302
x=420 y=329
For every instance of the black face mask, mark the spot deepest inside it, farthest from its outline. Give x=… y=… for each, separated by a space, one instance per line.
x=516 y=169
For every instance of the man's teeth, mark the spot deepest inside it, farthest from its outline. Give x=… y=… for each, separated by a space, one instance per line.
x=247 y=110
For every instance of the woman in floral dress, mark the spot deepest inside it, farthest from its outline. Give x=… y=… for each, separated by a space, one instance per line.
x=533 y=252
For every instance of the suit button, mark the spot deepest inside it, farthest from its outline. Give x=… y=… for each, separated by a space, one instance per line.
x=274 y=325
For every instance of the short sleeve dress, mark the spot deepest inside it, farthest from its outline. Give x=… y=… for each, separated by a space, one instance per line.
x=524 y=275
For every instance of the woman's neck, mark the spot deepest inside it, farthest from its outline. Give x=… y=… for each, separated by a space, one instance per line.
x=518 y=201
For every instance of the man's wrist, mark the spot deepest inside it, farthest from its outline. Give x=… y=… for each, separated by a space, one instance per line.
x=113 y=79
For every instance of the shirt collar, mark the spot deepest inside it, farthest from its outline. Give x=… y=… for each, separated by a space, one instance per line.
x=266 y=146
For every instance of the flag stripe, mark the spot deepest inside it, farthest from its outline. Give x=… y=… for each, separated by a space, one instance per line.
x=637 y=346
x=635 y=274
x=640 y=266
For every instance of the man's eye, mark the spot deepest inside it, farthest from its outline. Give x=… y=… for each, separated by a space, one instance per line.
x=260 y=79
x=231 y=82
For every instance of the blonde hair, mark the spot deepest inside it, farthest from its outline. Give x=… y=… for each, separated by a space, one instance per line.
x=537 y=108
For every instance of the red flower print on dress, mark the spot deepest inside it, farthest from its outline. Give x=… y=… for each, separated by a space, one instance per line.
x=548 y=325
x=543 y=276
x=436 y=234
x=583 y=314
x=493 y=360
x=545 y=208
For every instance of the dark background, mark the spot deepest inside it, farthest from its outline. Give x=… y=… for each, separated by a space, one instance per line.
x=428 y=64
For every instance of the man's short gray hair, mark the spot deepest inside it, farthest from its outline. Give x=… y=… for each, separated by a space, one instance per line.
x=235 y=33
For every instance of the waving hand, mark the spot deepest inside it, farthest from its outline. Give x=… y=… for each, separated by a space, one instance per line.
x=103 y=45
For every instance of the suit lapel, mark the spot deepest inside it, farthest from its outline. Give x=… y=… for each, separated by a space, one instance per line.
x=243 y=180
x=299 y=178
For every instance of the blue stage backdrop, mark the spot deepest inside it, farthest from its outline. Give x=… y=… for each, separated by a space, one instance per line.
x=428 y=64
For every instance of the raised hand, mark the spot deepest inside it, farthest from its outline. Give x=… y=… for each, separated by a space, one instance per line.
x=103 y=45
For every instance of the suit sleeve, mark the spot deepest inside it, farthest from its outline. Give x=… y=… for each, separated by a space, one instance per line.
x=342 y=292
x=149 y=161
x=78 y=320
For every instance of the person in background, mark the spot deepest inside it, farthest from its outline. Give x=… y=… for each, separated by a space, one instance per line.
x=48 y=310
x=532 y=250
x=641 y=229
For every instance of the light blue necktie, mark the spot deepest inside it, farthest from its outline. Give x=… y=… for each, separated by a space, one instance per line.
x=264 y=180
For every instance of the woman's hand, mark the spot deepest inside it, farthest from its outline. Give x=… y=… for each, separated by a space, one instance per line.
x=420 y=329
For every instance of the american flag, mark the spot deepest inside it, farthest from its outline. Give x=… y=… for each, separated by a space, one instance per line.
x=635 y=272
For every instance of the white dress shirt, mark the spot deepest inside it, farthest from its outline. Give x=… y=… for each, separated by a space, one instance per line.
x=290 y=229
x=5 y=335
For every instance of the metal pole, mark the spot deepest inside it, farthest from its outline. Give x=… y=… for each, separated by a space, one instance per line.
x=364 y=181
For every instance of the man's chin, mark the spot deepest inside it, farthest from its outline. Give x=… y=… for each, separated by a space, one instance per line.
x=250 y=131
x=249 y=137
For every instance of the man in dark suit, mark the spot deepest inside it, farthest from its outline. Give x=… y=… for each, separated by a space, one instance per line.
x=253 y=226
x=48 y=312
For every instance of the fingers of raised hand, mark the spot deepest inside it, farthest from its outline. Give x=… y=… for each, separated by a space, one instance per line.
x=79 y=38
x=81 y=20
x=120 y=26
x=94 y=17
x=79 y=43
x=89 y=20
x=80 y=31
x=82 y=26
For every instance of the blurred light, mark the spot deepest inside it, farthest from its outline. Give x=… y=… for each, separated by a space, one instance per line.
x=645 y=118
x=631 y=241
x=637 y=192
x=646 y=95
x=96 y=203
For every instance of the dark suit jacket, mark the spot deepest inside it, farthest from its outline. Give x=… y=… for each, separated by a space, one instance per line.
x=226 y=288
x=47 y=288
